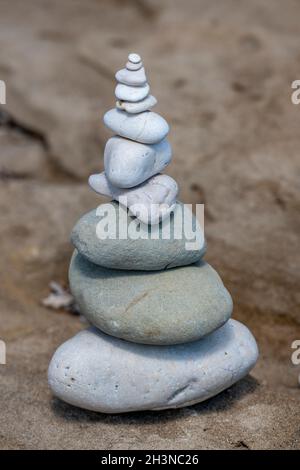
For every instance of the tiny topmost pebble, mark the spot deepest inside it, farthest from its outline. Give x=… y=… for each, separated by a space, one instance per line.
x=134 y=58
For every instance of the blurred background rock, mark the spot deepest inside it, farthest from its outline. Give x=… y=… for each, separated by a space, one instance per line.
x=222 y=73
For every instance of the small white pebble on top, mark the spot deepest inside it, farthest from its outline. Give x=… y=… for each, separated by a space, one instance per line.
x=134 y=58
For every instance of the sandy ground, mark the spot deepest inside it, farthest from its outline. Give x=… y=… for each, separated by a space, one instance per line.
x=222 y=73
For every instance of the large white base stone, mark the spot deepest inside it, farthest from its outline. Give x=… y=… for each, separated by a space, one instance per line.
x=102 y=373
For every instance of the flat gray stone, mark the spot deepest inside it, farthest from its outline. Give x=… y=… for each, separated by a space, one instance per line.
x=132 y=66
x=142 y=253
x=147 y=127
x=101 y=373
x=160 y=307
x=132 y=77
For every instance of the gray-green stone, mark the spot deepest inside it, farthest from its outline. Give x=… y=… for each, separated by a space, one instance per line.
x=166 y=307
x=139 y=254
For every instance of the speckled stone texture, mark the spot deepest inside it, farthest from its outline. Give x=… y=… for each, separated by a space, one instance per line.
x=101 y=373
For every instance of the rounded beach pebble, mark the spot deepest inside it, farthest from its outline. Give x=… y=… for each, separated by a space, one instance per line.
x=158 y=307
x=143 y=253
x=100 y=373
x=128 y=163
x=147 y=127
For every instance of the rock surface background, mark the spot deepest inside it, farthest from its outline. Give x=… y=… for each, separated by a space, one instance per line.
x=230 y=73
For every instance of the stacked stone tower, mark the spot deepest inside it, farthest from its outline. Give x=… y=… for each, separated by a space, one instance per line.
x=161 y=334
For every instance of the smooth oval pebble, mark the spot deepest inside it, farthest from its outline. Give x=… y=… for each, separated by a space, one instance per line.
x=147 y=127
x=132 y=66
x=129 y=163
x=137 y=78
x=134 y=108
x=142 y=253
x=159 y=307
x=105 y=374
x=131 y=93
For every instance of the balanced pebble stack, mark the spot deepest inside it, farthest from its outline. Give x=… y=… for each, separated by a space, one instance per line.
x=161 y=334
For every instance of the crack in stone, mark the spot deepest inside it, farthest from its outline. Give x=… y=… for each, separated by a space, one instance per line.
x=143 y=128
x=177 y=395
x=135 y=301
